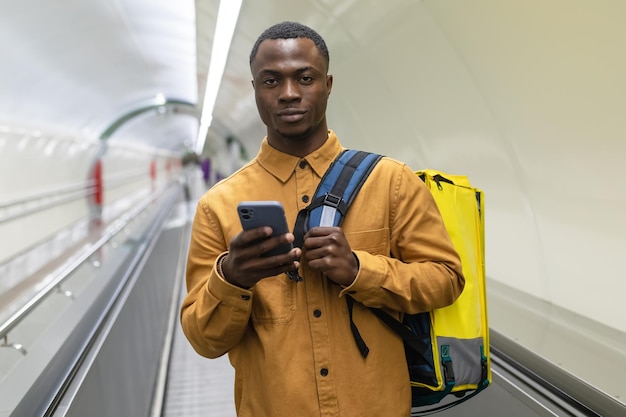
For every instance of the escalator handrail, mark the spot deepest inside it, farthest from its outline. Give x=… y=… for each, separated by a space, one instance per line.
x=111 y=231
x=551 y=379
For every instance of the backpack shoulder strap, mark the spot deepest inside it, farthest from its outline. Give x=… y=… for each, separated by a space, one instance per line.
x=335 y=192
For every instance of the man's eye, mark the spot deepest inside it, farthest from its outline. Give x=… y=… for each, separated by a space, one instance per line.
x=270 y=81
x=306 y=79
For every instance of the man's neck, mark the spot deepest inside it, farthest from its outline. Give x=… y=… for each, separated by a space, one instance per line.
x=299 y=147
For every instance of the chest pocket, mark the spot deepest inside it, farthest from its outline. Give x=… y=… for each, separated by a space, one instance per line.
x=274 y=300
x=375 y=242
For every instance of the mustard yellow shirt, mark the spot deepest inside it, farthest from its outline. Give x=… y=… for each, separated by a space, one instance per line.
x=290 y=342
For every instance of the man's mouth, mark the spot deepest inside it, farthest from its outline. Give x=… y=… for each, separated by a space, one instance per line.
x=291 y=115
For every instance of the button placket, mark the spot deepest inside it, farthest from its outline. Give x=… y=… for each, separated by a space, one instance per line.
x=305 y=177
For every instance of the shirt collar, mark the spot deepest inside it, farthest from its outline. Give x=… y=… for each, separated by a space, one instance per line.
x=282 y=165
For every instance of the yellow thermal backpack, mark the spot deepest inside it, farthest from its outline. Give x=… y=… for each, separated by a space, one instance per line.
x=459 y=333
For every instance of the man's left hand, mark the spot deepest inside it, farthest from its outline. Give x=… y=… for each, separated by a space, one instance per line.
x=327 y=250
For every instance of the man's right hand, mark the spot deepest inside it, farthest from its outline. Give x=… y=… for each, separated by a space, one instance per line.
x=244 y=266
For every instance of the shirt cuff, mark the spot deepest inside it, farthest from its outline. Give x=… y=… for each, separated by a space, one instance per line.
x=370 y=268
x=224 y=290
x=350 y=288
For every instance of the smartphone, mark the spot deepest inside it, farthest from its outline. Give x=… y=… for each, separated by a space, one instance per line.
x=253 y=214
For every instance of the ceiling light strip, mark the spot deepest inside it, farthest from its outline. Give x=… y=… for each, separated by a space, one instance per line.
x=227 y=16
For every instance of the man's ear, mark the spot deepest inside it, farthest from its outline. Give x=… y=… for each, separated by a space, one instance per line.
x=329 y=82
x=252 y=82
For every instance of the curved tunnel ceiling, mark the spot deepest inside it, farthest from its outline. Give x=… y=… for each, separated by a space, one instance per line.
x=90 y=63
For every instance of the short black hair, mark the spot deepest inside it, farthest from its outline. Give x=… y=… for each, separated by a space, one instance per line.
x=291 y=30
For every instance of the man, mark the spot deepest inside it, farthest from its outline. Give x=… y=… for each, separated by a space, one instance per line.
x=290 y=342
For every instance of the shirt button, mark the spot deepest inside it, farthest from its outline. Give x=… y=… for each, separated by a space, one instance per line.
x=317 y=313
x=324 y=372
x=305 y=198
x=303 y=164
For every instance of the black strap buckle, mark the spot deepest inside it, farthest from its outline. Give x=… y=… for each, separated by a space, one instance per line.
x=331 y=200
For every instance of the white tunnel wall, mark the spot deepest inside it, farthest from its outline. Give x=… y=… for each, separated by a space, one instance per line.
x=528 y=100
x=47 y=192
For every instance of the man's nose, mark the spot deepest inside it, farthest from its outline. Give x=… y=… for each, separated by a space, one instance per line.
x=290 y=91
